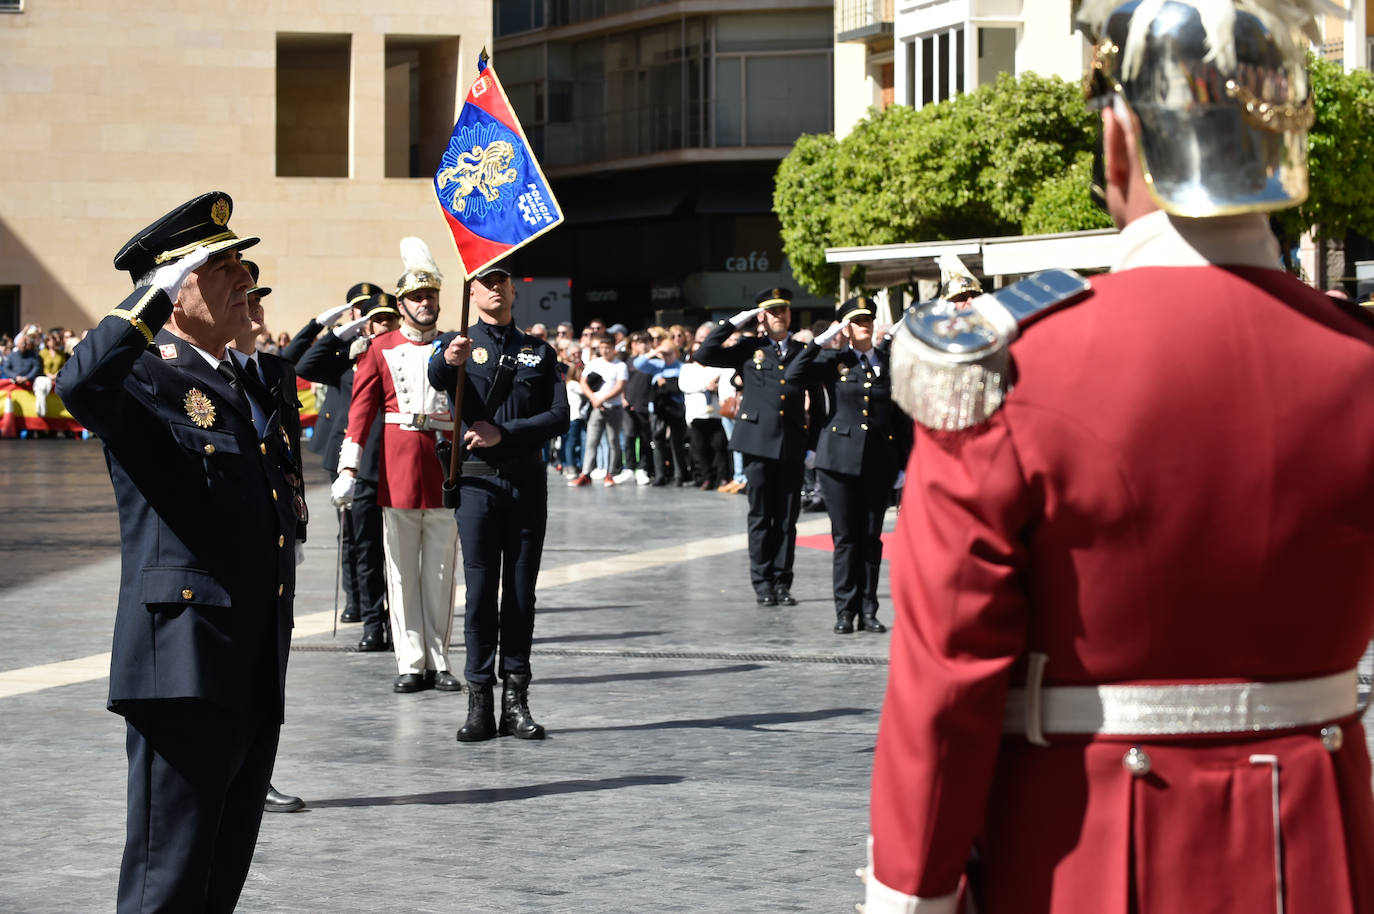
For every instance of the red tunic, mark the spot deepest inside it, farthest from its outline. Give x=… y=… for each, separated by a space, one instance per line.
x=392 y=378
x=1179 y=488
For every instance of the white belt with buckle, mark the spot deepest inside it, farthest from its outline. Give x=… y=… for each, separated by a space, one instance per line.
x=420 y=421
x=1168 y=710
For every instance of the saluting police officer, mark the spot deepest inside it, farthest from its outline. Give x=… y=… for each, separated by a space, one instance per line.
x=330 y=361
x=863 y=442
x=208 y=535
x=513 y=403
x=770 y=431
x=331 y=421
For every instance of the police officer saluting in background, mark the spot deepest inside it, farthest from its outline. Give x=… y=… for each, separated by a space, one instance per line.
x=513 y=403
x=330 y=360
x=208 y=536
x=863 y=442
x=770 y=431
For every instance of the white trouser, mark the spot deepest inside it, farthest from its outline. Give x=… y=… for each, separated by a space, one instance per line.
x=42 y=386
x=420 y=546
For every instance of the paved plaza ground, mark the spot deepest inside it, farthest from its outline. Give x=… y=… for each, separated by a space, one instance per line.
x=704 y=754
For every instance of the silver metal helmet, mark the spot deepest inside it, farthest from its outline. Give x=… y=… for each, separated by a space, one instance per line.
x=1218 y=96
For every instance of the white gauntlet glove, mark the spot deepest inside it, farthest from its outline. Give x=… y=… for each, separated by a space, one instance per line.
x=810 y=461
x=824 y=339
x=341 y=492
x=169 y=277
x=300 y=553
x=349 y=330
x=327 y=318
x=744 y=317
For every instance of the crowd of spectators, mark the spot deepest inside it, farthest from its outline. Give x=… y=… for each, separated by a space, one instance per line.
x=643 y=410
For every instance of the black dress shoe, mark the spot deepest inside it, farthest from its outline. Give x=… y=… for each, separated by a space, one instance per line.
x=844 y=625
x=411 y=682
x=661 y=482
x=784 y=597
x=351 y=614
x=280 y=802
x=767 y=599
x=445 y=681
x=871 y=624
x=373 y=642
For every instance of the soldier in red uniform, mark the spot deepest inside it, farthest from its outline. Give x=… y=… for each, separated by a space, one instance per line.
x=1132 y=576
x=391 y=385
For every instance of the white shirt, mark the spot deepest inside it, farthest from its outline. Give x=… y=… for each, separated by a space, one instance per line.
x=610 y=372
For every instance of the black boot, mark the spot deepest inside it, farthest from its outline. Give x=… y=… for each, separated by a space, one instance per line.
x=515 y=709
x=844 y=624
x=481 y=722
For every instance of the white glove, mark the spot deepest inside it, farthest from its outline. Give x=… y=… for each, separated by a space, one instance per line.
x=901 y=479
x=328 y=317
x=810 y=462
x=300 y=553
x=744 y=317
x=341 y=492
x=824 y=339
x=169 y=277
x=349 y=330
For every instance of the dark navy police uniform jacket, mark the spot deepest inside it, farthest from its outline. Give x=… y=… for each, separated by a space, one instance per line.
x=772 y=415
x=206 y=517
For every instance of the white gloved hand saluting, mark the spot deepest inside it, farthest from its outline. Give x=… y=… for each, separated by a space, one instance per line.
x=835 y=330
x=169 y=277
x=745 y=317
x=341 y=492
x=328 y=317
x=349 y=330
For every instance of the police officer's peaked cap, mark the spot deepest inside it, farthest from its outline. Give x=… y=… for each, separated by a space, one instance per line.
x=487 y=271
x=380 y=305
x=202 y=221
x=363 y=291
x=774 y=298
x=858 y=306
x=253 y=271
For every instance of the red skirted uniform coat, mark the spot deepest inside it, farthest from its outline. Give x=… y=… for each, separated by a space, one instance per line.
x=391 y=384
x=1179 y=488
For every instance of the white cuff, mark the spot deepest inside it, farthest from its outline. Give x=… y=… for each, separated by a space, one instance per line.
x=881 y=899
x=350 y=455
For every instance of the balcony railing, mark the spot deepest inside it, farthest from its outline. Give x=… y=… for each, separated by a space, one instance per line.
x=860 y=20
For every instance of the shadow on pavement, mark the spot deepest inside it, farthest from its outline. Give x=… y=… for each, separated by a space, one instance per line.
x=655 y=674
x=497 y=794
x=568 y=639
x=758 y=722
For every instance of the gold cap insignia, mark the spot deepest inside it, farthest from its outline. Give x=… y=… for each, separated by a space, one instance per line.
x=758 y=357
x=199 y=408
x=479 y=355
x=219 y=213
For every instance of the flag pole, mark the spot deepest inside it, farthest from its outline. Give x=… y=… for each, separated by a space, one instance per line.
x=455 y=465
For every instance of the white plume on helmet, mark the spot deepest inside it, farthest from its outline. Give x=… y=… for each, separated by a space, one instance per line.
x=421 y=272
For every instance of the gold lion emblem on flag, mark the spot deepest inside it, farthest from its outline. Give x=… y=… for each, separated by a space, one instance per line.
x=480 y=169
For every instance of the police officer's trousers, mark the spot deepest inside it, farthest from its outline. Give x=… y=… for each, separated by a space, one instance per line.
x=501 y=523
x=420 y=545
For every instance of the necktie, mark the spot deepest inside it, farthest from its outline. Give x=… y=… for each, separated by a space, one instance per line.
x=226 y=371
x=252 y=367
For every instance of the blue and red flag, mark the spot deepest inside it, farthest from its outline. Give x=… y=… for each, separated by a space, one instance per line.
x=494 y=196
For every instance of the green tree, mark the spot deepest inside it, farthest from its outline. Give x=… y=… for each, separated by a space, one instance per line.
x=1341 y=171
x=971 y=166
